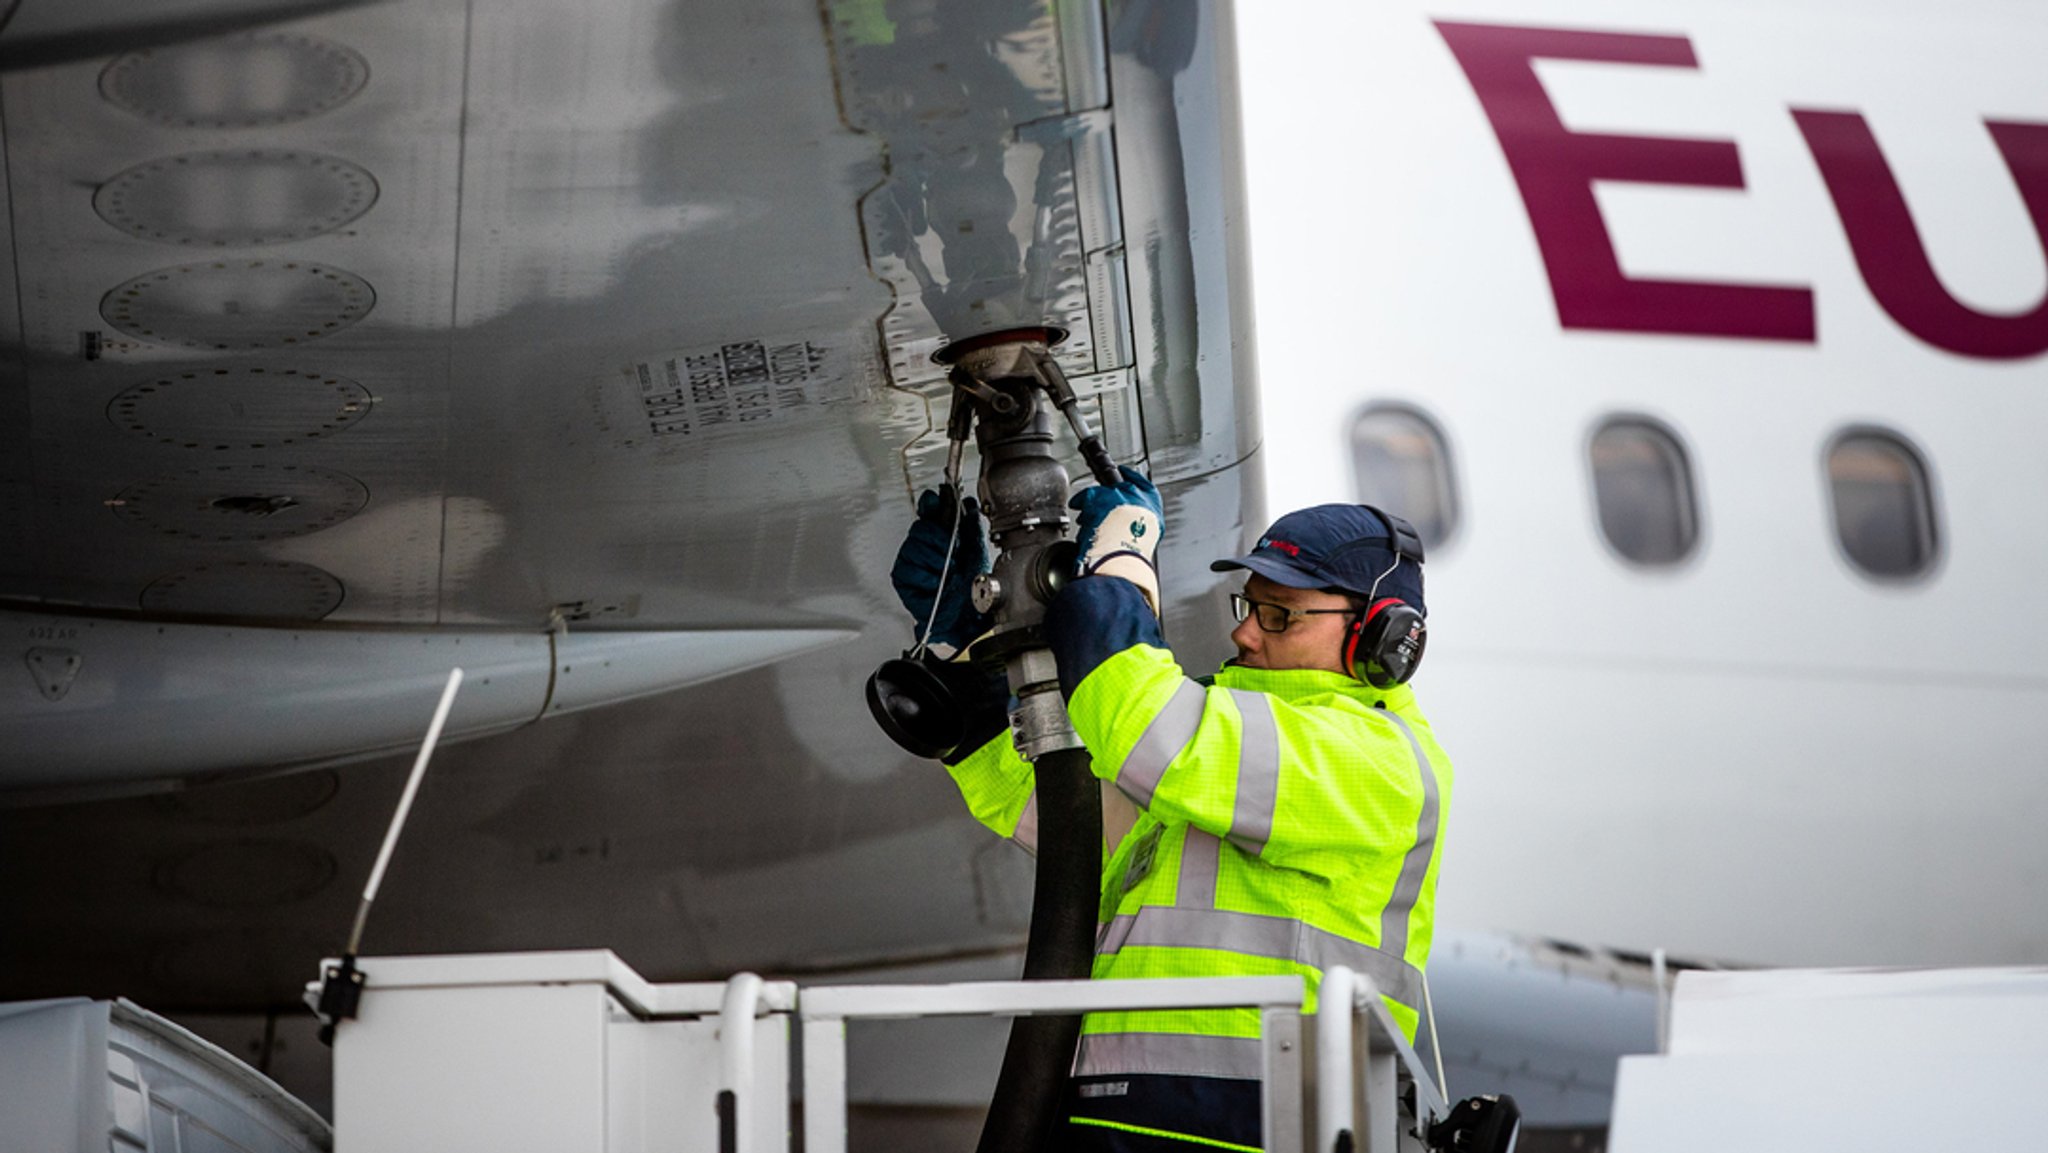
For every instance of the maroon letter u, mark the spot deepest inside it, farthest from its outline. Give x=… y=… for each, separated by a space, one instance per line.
x=1888 y=248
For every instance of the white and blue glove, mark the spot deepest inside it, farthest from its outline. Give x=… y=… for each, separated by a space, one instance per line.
x=1119 y=532
x=921 y=561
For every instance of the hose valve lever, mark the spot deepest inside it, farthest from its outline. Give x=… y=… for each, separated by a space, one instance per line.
x=1054 y=380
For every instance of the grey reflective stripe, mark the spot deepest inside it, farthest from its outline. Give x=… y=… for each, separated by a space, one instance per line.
x=1415 y=866
x=1027 y=825
x=1184 y=1054
x=1200 y=854
x=1259 y=935
x=1258 y=771
x=1164 y=738
x=1110 y=938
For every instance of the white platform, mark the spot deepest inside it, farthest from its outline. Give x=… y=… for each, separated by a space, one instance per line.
x=1799 y=1060
x=567 y=1052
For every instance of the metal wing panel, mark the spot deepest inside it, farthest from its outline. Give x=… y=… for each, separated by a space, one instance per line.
x=188 y=296
x=631 y=358
x=570 y=285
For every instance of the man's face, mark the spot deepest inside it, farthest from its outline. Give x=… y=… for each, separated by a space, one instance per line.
x=1312 y=642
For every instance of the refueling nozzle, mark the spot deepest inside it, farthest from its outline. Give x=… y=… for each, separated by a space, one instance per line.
x=1000 y=385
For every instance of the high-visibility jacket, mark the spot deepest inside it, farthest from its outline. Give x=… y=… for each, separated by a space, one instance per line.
x=1288 y=821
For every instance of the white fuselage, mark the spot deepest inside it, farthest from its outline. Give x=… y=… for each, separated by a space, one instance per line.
x=1758 y=754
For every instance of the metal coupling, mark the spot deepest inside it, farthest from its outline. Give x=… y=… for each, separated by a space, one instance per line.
x=1039 y=725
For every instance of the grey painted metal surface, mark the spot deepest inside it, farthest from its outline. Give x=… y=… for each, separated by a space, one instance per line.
x=252 y=697
x=89 y=1075
x=628 y=288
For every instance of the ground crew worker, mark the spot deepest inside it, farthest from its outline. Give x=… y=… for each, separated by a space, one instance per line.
x=1284 y=816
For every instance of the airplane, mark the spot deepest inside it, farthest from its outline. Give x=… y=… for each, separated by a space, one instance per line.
x=568 y=272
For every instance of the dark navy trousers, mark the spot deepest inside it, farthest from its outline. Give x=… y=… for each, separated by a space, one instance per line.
x=1161 y=1114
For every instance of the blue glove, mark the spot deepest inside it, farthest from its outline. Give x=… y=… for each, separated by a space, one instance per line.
x=916 y=573
x=1120 y=526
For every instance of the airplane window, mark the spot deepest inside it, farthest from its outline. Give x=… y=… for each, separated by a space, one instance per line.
x=1883 y=504
x=1400 y=463
x=1642 y=486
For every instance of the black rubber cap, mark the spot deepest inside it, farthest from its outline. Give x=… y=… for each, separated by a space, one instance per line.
x=915 y=708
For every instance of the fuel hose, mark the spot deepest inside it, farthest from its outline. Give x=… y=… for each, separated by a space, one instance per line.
x=1025 y=1114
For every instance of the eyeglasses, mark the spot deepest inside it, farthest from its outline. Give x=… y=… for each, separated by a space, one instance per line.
x=1273 y=618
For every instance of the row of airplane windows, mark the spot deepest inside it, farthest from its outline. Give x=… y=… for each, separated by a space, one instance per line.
x=1643 y=490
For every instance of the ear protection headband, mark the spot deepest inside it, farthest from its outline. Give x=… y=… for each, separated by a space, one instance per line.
x=1384 y=645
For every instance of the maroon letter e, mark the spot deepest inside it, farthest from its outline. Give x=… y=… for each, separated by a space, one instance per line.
x=1556 y=168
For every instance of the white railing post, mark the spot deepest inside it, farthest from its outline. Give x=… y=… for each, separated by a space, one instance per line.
x=1280 y=1090
x=1335 y=1015
x=1360 y=1054
x=1378 y=1084
x=736 y=1058
x=824 y=1040
x=1382 y=1127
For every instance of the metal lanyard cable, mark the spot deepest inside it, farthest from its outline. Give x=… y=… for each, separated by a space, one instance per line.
x=945 y=566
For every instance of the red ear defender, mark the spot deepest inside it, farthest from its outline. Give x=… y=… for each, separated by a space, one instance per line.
x=1352 y=637
x=1386 y=643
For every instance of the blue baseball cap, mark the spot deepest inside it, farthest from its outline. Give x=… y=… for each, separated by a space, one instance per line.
x=1348 y=547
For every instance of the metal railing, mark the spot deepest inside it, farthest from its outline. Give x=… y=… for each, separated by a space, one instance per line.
x=440 y=1036
x=1391 y=1102
x=825 y=1011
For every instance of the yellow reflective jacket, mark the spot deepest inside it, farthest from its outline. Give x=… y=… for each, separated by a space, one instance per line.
x=1288 y=821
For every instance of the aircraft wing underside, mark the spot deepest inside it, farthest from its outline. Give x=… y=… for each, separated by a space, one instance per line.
x=553 y=340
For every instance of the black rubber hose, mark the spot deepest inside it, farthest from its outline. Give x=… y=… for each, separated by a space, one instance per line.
x=1025 y=1115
